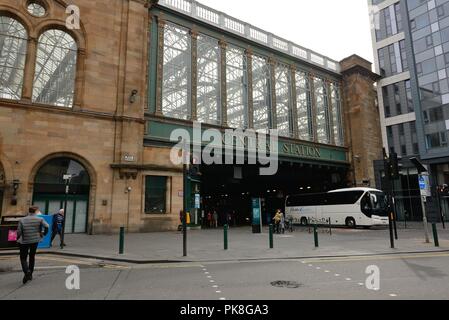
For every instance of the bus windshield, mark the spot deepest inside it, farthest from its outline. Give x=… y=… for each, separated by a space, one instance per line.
x=375 y=203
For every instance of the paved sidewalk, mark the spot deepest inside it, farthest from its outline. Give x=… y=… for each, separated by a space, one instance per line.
x=207 y=245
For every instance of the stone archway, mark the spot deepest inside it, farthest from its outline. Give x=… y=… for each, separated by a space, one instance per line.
x=49 y=189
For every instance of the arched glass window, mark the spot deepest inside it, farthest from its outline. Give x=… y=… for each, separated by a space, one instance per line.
x=54 y=79
x=13 y=49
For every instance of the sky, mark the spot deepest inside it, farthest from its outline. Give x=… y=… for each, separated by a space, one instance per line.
x=334 y=28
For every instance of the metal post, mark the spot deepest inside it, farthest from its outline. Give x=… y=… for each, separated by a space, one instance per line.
x=390 y=223
x=184 y=211
x=395 y=216
x=435 y=235
x=225 y=236
x=426 y=230
x=315 y=235
x=330 y=226
x=122 y=241
x=66 y=199
x=271 y=237
x=184 y=234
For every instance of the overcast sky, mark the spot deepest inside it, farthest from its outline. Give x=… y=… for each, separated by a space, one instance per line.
x=334 y=28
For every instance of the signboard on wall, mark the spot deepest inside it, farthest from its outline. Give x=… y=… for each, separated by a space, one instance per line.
x=424 y=185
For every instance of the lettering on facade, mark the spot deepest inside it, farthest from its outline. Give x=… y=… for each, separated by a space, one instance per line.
x=302 y=150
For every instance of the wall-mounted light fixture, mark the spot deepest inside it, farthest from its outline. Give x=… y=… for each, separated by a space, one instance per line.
x=15 y=187
x=133 y=97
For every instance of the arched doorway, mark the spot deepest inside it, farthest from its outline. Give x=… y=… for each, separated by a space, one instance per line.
x=49 y=192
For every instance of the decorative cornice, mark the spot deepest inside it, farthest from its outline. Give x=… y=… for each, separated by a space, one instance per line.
x=357 y=69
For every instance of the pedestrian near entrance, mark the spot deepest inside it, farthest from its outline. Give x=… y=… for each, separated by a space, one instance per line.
x=215 y=219
x=209 y=219
x=277 y=221
x=30 y=232
x=58 y=223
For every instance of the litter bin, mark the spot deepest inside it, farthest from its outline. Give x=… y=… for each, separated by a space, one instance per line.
x=8 y=232
x=46 y=242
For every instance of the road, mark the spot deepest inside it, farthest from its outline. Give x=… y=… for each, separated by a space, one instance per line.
x=406 y=276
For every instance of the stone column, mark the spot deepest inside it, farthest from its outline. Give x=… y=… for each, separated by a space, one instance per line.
x=249 y=75
x=363 y=134
x=273 y=113
x=194 y=75
x=79 y=80
x=223 y=84
x=30 y=63
x=330 y=111
x=160 y=64
x=313 y=106
x=294 y=101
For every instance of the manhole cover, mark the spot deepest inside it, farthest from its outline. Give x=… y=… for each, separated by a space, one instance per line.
x=286 y=284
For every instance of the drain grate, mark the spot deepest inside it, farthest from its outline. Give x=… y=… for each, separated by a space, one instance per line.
x=286 y=284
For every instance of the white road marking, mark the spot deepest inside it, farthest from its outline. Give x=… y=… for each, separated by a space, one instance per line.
x=327 y=271
x=393 y=295
x=348 y=279
x=337 y=275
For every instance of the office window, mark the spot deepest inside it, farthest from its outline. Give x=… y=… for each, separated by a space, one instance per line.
x=155 y=195
x=404 y=150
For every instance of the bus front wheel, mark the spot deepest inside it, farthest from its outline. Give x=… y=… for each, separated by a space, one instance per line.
x=350 y=223
x=304 y=221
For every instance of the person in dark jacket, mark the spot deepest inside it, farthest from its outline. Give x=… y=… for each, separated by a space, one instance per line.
x=58 y=223
x=30 y=232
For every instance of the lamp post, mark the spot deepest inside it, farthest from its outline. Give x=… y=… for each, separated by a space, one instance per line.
x=66 y=178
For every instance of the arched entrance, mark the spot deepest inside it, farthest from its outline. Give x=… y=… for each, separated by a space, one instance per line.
x=49 y=192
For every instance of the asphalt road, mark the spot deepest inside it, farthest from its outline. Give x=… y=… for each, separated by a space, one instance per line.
x=418 y=276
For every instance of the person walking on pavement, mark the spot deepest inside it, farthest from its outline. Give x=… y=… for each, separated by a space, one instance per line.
x=277 y=221
x=30 y=232
x=215 y=219
x=58 y=223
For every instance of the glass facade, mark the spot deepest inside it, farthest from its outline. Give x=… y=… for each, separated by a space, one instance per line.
x=261 y=94
x=54 y=78
x=304 y=106
x=237 y=88
x=322 y=111
x=283 y=100
x=13 y=49
x=271 y=85
x=176 y=90
x=208 y=91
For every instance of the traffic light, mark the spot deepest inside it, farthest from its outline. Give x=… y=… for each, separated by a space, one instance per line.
x=394 y=166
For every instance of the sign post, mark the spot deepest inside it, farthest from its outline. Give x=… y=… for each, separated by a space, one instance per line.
x=257 y=215
x=424 y=186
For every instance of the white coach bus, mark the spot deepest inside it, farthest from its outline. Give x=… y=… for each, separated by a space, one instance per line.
x=352 y=207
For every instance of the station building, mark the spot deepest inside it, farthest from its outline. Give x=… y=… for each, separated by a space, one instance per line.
x=100 y=101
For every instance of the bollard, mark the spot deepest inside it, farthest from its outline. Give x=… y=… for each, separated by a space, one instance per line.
x=435 y=235
x=122 y=241
x=330 y=226
x=315 y=234
x=271 y=237
x=226 y=237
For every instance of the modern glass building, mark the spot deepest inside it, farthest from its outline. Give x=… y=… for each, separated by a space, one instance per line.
x=411 y=48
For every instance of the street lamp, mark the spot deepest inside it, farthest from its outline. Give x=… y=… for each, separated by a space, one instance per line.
x=67 y=178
